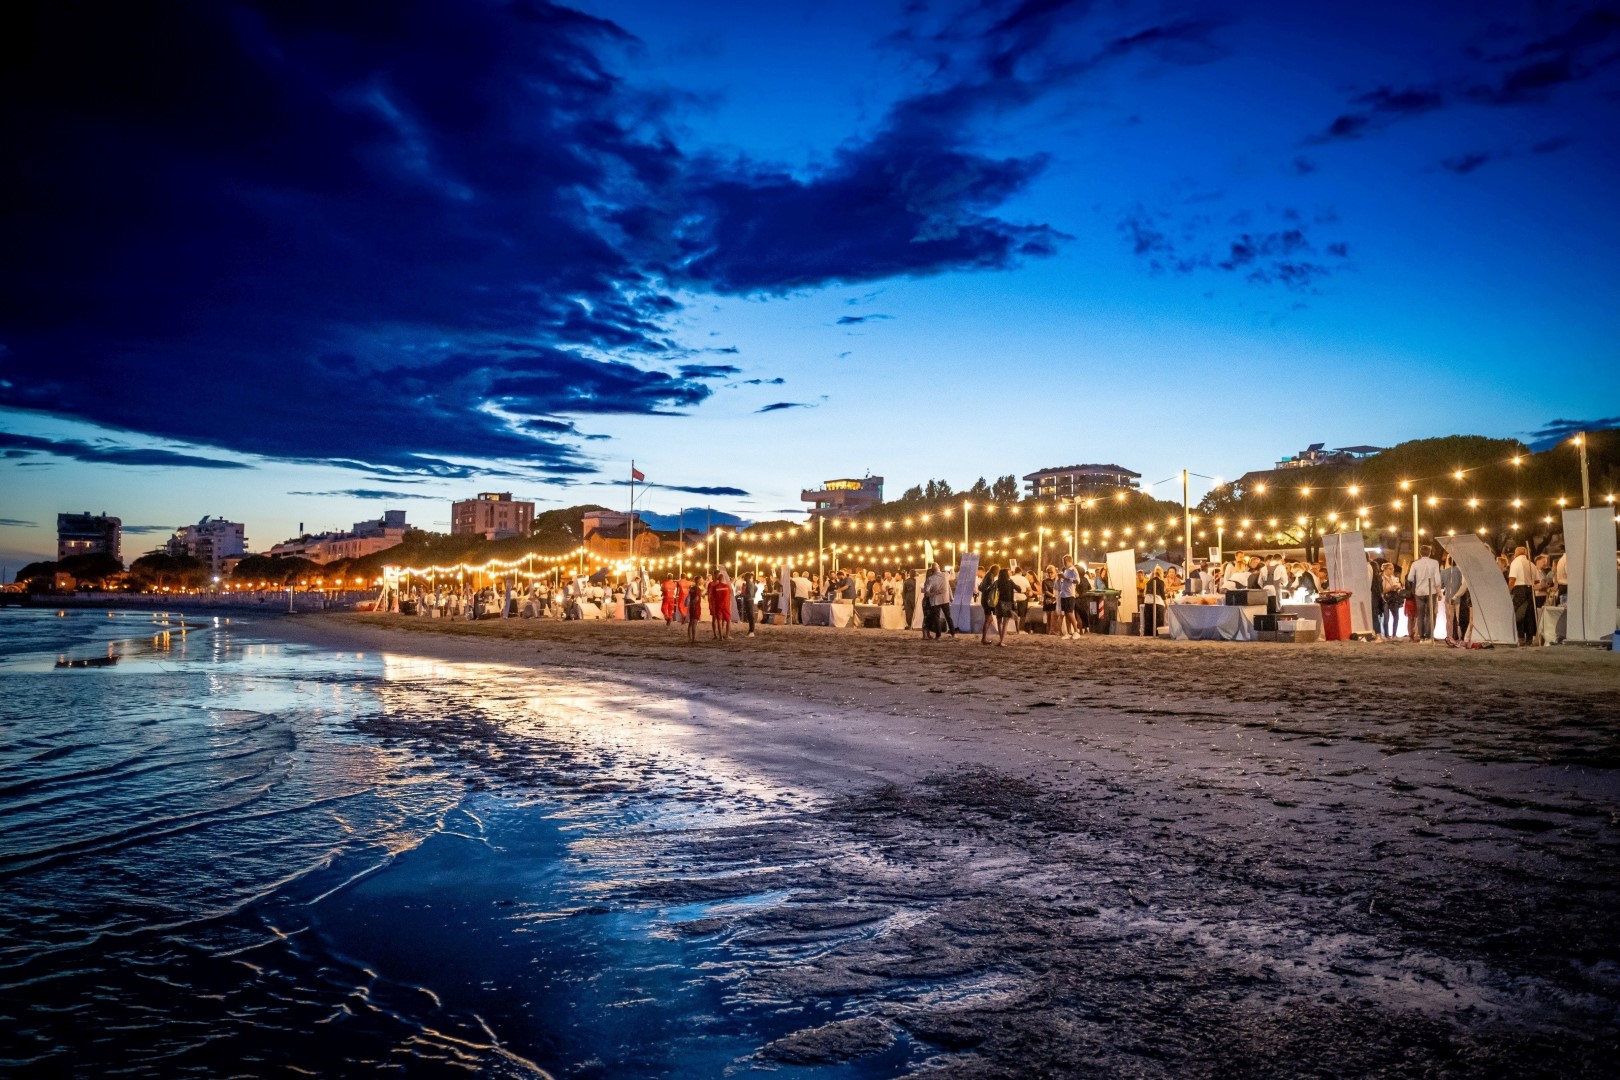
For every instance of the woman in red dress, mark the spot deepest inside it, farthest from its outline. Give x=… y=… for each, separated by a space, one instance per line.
x=720 y=606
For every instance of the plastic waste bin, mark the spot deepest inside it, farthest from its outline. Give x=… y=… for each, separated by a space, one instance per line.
x=1335 y=615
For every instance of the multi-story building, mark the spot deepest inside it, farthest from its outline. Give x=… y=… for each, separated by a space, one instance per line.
x=366 y=538
x=1067 y=481
x=1316 y=454
x=89 y=534
x=607 y=533
x=844 y=498
x=493 y=515
x=212 y=540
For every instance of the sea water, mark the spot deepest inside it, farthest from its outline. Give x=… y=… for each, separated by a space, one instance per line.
x=223 y=853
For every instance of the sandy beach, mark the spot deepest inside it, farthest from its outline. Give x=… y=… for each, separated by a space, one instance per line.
x=1112 y=856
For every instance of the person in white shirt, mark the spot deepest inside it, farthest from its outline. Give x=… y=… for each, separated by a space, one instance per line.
x=1274 y=576
x=1521 y=583
x=1561 y=578
x=1021 y=594
x=1069 y=598
x=1424 y=577
x=801 y=593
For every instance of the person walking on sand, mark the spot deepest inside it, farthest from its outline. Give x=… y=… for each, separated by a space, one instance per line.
x=1424 y=577
x=694 y=609
x=667 y=588
x=1006 y=604
x=748 y=597
x=1049 y=600
x=987 y=600
x=720 y=605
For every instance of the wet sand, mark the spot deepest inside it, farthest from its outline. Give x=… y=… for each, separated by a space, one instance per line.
x=1115 y=856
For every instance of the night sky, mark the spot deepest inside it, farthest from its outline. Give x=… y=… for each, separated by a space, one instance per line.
x=299 y=262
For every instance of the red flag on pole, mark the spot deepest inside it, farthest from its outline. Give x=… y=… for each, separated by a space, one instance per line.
x=637 y=475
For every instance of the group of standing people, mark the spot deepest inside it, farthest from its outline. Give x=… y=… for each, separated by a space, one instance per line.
x=682 y=600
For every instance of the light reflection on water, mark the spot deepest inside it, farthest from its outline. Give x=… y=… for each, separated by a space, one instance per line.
x=229 y=853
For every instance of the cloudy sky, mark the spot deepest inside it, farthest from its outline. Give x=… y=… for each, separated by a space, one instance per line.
x=300 y=262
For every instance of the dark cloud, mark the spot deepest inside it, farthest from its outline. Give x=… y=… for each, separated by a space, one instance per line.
x=1407 y=101
x=701 y=490
x=146 y=530
x=333 y=233
x=404 y=237
x=378 y=494
x=13 y=445
x=18 y=523
x=1463 y=164
x=778 y=381
x=1283 y=256
x=1525 y=73
x=1554 y=432
x=856 y=320
x=778 y=406
x=1379 y=108
x=708 y=371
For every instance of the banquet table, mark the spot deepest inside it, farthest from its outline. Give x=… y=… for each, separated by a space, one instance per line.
x=887 y=616
x=588 y=610
x=1209 y=622
x=828 y=613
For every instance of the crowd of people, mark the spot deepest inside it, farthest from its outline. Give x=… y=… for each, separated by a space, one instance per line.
x=1072 y=597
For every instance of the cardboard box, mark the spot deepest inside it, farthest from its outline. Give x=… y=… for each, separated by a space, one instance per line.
x=1296 y=637
x=1263 y=623
x=1267 y=635
x=1125 y=629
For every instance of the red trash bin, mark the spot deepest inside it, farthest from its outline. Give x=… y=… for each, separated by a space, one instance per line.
x=1335 y=615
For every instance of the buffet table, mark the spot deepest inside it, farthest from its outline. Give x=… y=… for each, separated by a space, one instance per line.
x=1209 y=622
x=838 y=613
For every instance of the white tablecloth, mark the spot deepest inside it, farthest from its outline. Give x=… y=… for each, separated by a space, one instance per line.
x=888 y=616
x=588 y=610
x=824 y=613
x=1206 y=622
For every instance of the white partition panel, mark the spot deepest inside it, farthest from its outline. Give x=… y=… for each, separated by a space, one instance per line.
x=1347 y=570
x=1589 y=547
x=1491 y=617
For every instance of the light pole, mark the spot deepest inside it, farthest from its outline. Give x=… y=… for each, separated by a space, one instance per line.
x=1414 y=526
x=1586 y=484
x=1074 y=537
x=1186 y=511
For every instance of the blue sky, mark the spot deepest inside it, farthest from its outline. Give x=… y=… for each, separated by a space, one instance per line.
x=294 y=264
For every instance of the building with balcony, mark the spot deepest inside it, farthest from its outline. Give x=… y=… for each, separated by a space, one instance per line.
x=89 y=534
x=1317 y=454
x=1068 y=481
x=607 y=534
x=844 y=498
x=213 y=541
x=494 y=515
x=366 y=538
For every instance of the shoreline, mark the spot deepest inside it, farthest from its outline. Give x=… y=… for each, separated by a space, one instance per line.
x=1429 y=862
